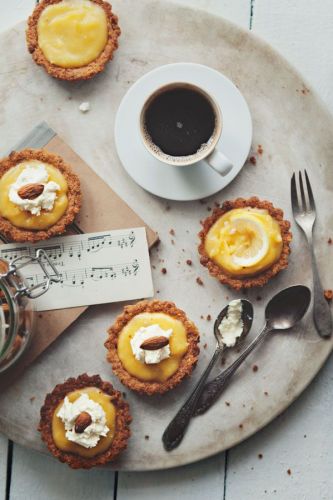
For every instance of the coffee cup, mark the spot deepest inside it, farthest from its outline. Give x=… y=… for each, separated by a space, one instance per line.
x=181 y=124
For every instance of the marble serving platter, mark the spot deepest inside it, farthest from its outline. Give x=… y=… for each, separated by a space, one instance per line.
x=293 y=130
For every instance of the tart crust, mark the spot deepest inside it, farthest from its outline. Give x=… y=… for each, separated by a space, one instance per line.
x=74 y=196
x=123 y=419
x=187 y=363
x=84 y=72
x=262 y=278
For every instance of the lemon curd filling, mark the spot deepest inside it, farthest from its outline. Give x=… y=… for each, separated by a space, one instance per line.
x=72 y=33
x=162 y=371
x=59 y=432
x=22 y=218
x=244 y=241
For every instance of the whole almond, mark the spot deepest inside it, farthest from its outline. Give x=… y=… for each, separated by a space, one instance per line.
x=30 y=191
x=82 y=422
x=154 y=343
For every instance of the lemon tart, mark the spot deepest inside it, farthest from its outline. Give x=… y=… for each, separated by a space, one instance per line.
x=152 y=346
x=72 y=39
x=39 y=195
x=85 y=422
x=245 y=242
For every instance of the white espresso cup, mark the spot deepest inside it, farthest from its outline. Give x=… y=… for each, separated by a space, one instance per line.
x=181 y=124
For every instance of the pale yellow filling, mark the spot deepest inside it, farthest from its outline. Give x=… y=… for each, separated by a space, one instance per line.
x=24 y=219
x=244 y=241
x=59 y=432
x=72 y=33
x=159 y=372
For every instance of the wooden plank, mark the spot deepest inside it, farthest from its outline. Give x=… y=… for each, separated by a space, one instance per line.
x=188 y=483
x=302 y=32
x=3 y=465
x=299 y=441
x=237 y=11
x=39 y=477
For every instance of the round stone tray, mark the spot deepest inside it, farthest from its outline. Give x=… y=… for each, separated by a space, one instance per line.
x=294 y=130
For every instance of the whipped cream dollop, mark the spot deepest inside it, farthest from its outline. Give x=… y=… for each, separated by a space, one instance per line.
x=145 y=333
x=34 y=174
x=69 y=412
x=231 y=327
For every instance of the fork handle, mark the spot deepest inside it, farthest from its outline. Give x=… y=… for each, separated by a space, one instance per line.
x=321 y=310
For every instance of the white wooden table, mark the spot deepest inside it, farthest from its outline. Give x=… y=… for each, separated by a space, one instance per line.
x=292 y=457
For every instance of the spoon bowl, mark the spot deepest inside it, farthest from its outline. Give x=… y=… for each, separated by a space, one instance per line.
x=247 y=318
x=288 y=307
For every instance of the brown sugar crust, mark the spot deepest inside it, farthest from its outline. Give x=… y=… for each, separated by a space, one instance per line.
x=123 y=419
x=82 y=73
x=14 y=233
x=187 y=363
x=260 y=279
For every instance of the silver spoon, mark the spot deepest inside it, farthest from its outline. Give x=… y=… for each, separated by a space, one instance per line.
x=175 y=431
x=282 y=312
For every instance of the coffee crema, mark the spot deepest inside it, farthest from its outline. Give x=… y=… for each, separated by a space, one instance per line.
x=179 y=122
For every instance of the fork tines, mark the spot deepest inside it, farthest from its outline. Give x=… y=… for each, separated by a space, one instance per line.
x=302 y=200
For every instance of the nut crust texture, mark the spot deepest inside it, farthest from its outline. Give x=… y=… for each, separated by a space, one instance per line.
x=74 y=196
x=258 y=280
x=187 y=363
x=71 y=74
x=123 y=420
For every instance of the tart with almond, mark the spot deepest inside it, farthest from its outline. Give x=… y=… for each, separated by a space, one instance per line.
x=245 y=242
x=39 y=195
x=152 y=346
x=85 y=422
x=72 y=39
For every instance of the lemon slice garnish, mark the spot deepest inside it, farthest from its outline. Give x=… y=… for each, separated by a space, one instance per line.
x=248 y=241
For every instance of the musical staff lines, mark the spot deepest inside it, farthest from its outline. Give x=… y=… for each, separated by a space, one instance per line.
x=80 y=277
x=75 y=249
x=95 y=268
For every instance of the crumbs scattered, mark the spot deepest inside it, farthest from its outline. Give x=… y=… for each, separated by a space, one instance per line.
x=84 y=107
x=146 y=437
x=202 y=202
x=289 y=472
x=172 y=242
x=154 y=267
x=199 y=281
x=259 y=298
x=328 y=294
x=172 y=232
x=330 y=241
x=32 y=399
x=209 y=209
x=254 y=368
x=216 y=203
x=189 y=262
x=205 y=346
x=124 y=395
x=157 y=291
x=260 y=456
x=40 y=316
x=167 y=208
x=208 y=318
x=163 y=270
x=227 y=403
x=240 y=426
x=201 y=316
x=253 y=160
x=266 y=393
x=304 y=436
x=260 y=149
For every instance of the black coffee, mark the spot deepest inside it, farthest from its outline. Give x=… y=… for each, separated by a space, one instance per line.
x=179 y=121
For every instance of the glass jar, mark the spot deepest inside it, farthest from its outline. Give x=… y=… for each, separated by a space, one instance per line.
x=17 y=311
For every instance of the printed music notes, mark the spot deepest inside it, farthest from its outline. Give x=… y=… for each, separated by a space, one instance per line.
x=95 y=268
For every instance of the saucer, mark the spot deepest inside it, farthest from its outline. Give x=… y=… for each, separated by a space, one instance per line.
x=183 y=183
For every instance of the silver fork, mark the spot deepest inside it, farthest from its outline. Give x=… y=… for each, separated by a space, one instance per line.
x=304 y=210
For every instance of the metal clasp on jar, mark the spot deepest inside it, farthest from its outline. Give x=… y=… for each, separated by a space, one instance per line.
x=35 y=291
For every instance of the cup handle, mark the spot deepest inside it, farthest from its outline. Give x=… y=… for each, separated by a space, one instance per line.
x=219 y=162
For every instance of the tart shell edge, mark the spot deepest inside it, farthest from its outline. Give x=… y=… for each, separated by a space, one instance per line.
x=260 y=279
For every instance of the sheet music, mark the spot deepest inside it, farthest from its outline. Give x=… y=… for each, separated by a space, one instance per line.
x=95 y=268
